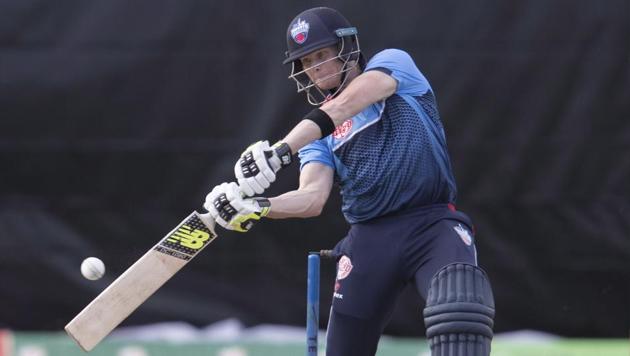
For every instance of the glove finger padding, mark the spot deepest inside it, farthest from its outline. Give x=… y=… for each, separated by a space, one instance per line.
x=226 y=205
x=210 y=206
x=253 y=185
x=263 y=164
x=235 y=196
x=242 y=182
x=249 y=185
x=256 y=168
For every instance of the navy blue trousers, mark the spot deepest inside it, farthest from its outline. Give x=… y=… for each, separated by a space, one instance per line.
x=379 y=258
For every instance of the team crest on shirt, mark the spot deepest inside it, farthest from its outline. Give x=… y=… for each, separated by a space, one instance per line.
x=342 y=130
x=463 y=234
x=299 y=31
x=343 y=268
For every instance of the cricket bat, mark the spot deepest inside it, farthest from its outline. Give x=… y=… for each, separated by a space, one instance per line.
x=141 y=280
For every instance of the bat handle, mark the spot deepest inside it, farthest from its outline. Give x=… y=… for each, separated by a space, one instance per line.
x=208 y=220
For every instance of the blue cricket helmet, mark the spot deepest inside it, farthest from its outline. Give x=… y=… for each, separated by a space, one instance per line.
x=313 y=30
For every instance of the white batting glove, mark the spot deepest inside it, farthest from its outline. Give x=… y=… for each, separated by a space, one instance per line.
x=257 y=167
x=226 y=205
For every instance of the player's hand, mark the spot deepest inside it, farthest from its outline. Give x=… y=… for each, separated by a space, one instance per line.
x=257 y=167
x=231 y=210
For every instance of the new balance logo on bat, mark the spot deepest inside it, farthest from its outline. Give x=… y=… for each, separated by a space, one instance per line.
x=188 y=237
x=186 y=240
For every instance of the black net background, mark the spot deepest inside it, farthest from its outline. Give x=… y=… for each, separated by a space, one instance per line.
x=117 y=118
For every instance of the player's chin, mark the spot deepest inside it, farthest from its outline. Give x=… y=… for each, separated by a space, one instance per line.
x=329 y=83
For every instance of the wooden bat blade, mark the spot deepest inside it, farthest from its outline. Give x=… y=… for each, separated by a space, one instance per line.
x=141 y=280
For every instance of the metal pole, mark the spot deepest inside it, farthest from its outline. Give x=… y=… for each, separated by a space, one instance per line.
x=312 y=304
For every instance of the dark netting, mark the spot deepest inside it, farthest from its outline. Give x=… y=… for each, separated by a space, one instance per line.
x=118 y=117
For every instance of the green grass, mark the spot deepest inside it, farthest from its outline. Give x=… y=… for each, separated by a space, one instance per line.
x=59 y=344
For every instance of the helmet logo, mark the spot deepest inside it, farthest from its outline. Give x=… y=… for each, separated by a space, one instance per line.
x=299 y=31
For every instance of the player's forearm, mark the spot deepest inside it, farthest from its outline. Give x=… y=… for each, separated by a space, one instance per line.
x=366 y=89
x=302 y=134
x=308 y=131
x=296 y=204
x=339 y=110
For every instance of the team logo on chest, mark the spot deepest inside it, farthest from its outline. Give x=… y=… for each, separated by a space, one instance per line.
x=299 y=31
x=343 y=130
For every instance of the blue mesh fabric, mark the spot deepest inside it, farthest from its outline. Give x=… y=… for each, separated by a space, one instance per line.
x=396 y=163
x=429 y=105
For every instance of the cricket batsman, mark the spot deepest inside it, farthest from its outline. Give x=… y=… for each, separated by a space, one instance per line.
x=376 y=131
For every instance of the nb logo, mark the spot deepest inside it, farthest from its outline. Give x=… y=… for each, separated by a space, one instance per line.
x=286 y=160
x=188 y=237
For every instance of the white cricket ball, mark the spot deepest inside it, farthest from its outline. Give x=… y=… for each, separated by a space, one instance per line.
x=92 y=268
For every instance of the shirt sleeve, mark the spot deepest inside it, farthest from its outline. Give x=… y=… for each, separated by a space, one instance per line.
x=316 y=151
x=400 y=66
